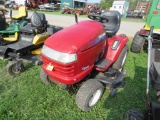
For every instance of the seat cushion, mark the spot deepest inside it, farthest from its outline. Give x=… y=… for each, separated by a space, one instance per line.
x=28 y=29
x=36 y=20
x=37 y=25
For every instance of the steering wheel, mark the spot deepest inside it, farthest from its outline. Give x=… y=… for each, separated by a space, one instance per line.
x=98 y=18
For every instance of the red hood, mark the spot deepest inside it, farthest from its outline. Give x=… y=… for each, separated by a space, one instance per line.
x=73 y=38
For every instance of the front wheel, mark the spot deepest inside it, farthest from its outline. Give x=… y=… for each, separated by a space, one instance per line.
x=44 y=77
x=89 y=94
x=48 y=80
x=13 y=70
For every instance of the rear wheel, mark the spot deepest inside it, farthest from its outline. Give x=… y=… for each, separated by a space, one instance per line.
x=12 y=70
x=119 y=64
x=89 y=94
x=137 y=43
x=44 y=77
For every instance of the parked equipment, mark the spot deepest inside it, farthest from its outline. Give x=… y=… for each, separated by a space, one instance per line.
x=28 y=45
x=140 y=39
x=48 y=7
x=3 y=23
x=89 y=51
x=9 y=4
x=10 y=34
x=153 y=75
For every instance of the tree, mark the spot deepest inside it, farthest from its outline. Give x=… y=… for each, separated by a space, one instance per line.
x=106 y=4
x=133 y=3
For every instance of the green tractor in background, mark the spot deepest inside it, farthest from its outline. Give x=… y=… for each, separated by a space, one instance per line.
x=140 y=39
x=9 y=33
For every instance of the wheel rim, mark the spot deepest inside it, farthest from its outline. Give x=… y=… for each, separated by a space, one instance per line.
x=95 y=97
x=124 y=59
x=16 y=71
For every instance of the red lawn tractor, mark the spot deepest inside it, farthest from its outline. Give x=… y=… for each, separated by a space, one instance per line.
x=88 y=53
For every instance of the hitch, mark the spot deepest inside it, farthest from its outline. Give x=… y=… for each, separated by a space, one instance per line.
x=112 y=79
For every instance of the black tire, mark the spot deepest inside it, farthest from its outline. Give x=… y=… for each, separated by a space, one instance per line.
x=85 y=95
x=137 y=43
x=47 y=80
x=11 y=68
x=134 y=114
x=119 y=64
x=44 y=77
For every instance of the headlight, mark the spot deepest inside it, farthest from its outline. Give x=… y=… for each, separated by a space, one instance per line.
x=58 y=56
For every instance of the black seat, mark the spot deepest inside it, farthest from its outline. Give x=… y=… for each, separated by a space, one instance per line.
x=112 y=24
x=38 y=24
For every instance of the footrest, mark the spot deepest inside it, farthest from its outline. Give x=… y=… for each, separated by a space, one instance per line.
x=12 y=39
x=102 y=63
x=155 y=75
x=110 y=72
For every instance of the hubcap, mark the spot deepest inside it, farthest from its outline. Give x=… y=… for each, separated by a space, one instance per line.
x=95 y=97
x=16 y=70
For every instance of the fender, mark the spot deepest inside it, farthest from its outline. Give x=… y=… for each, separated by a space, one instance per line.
x=112 y=51
x=114 y=47
x=23 y=23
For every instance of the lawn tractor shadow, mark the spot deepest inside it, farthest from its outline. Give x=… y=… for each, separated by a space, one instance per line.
x=132 y=95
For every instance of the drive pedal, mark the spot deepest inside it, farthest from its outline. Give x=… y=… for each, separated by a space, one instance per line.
x=102 y=63
x=110 y=72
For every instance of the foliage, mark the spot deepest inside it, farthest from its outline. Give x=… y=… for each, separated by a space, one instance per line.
x=133 y=3
x=106 y=4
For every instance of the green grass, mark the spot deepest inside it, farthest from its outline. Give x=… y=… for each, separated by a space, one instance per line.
x=26 y=97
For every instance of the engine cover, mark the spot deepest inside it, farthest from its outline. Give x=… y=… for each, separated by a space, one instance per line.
x=80 y=36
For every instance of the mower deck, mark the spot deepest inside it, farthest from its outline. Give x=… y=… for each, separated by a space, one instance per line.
x=35 y=59
x=155 y=55
x=24 y=44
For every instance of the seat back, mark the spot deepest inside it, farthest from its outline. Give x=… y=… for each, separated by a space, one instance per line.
x=22 y=11
x=42 y=16
x=113 y=22
x=43 y=20
x=39 y=20
x=36 y=20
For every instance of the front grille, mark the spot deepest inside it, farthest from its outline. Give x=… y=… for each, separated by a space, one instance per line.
x=64 y=70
